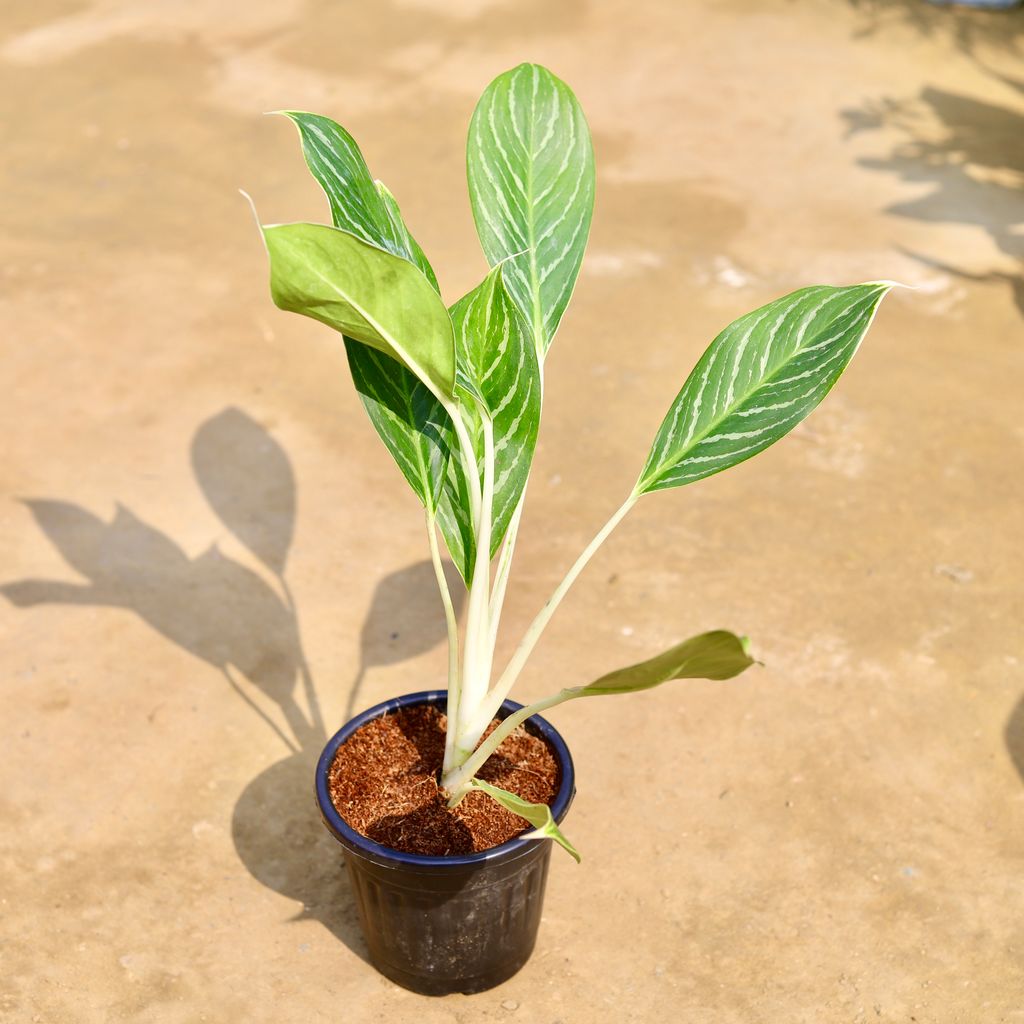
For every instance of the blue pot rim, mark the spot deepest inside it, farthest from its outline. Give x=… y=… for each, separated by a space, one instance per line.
x=349 y=837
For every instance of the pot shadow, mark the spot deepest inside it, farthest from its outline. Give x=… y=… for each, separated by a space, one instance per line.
x=971 y=152
x=247 y=628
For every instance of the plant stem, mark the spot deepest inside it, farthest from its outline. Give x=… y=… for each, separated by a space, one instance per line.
x=453 y=640
x=457 y=782
x=477 y=658
x=501 y=574
x=501 y=689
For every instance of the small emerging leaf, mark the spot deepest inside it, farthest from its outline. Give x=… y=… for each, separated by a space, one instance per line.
x=366 y=293
x=538 y=815
x=757 y=380
x=531 y=185
x=715 y=655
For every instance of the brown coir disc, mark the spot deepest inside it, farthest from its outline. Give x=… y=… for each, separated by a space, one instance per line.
x=384 y=783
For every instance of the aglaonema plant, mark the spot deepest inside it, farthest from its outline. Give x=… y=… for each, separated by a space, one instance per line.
x=455 y=392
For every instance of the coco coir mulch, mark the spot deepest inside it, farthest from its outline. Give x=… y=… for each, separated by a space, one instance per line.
x=384 y=783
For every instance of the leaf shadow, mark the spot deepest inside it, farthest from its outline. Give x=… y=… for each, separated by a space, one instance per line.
x=246 y=627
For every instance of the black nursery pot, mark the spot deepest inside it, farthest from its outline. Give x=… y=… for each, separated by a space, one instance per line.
x=438 y=925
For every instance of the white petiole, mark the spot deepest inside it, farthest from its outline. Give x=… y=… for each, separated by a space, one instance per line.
x=476 y=704
x=454 y=687
x=478 y=650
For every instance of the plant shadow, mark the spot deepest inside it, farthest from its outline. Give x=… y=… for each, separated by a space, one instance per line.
x=246 y=627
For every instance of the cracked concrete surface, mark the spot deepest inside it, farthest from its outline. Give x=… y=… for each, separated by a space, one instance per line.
x=207 y=559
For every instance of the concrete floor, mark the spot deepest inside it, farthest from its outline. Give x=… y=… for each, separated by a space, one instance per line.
x=207 y=558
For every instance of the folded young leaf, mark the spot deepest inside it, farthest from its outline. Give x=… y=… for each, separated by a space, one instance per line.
x=531 y=186
x=366 y=293
x=757 y=380
x=538 y=815
x=497 y=372
x=715 y=655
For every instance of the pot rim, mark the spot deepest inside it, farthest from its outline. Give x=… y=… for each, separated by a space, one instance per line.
x=349 y=837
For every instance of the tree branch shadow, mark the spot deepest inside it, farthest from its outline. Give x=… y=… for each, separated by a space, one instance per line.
x=971 y=152
x=246 y=628
x=969 y=30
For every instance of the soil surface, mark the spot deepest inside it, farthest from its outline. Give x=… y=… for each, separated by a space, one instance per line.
x=208 y=561
x=384 y=783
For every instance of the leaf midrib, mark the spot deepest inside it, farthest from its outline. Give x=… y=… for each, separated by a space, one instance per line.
x=538 y=320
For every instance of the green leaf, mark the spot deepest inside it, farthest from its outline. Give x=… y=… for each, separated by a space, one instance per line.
x=715 y=655
x=757 y=380
x=359 y=204
x=409 y=419
x=405 y=241
x=538 y=815
x=454 y=517
x=531 y=185
x=498 y=372
x=411 y=422
x=366 y=293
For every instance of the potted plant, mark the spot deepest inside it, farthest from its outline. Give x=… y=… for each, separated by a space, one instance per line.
x=449 y=880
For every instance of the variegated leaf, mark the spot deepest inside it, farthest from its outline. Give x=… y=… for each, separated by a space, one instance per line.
x=411 y=422
x=366 y=293
x=409 y=419
x=405 y=241
x=757 y=380
x=531 y=185
x=453 y=512
x=538 y=815
x=498 y=374
x=358 y=204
